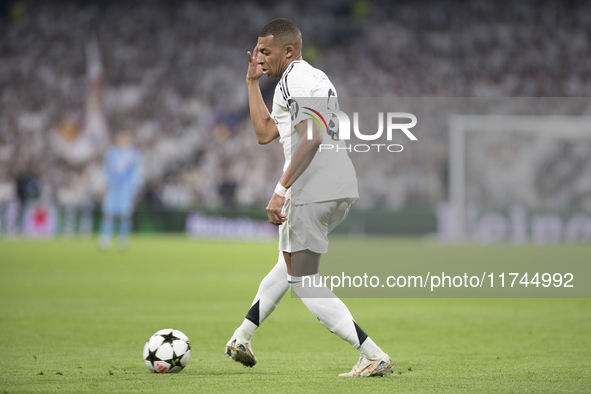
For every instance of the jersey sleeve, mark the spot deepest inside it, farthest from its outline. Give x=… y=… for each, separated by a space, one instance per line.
x=298 y=90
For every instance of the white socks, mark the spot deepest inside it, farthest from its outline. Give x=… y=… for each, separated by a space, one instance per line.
x=332 y=312
x=322 y=302
x=271 y=290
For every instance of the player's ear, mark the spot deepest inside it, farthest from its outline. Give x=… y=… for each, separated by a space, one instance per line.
x=289 y=51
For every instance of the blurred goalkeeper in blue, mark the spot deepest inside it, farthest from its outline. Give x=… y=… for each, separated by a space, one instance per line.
x=123 y=174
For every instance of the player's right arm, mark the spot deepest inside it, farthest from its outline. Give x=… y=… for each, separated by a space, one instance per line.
x=264 y=126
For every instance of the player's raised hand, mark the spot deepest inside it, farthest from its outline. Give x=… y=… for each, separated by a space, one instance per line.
x=255 y=70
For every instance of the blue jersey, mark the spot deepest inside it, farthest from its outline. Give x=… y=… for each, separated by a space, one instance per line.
x=123 y=175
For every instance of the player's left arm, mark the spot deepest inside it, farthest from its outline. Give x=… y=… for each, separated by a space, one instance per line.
x=302 y=157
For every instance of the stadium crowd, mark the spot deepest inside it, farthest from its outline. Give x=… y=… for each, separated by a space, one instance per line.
x=173 y=73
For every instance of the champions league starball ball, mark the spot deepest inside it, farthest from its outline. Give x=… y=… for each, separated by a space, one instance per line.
x=167 y=351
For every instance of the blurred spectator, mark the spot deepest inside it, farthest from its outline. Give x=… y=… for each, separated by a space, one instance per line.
x=177 y=69
x=27 y=188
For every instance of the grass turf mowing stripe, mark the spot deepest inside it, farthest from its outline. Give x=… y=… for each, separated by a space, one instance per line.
x=75 y=320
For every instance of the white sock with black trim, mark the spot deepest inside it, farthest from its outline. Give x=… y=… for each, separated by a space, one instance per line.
x=331 y=312
x=271 y=291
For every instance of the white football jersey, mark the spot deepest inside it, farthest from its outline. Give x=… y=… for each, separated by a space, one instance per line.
x=330 y=175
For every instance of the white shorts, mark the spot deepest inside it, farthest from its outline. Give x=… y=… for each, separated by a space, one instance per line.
x=308 y=225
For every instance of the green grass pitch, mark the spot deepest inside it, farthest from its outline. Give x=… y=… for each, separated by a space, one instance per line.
x=73 y=320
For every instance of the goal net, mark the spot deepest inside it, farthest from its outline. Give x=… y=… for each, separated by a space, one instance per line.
x=520 y=178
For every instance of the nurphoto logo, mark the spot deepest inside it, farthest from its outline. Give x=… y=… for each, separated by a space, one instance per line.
x=341 y=130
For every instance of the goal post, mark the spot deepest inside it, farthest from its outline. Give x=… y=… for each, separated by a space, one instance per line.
x=461 y=127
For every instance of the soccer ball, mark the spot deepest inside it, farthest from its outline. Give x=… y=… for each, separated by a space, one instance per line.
x=167 y=351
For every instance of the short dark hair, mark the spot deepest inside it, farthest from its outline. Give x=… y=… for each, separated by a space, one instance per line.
x=280 y=28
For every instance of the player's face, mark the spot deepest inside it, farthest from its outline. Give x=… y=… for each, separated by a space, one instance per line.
x=272 y=57
x=123 y=138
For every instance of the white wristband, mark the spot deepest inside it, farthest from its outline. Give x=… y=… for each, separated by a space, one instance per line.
x=280 y=190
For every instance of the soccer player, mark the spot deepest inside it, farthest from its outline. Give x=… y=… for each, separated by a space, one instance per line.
x=122 y=169
x=325 y=184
